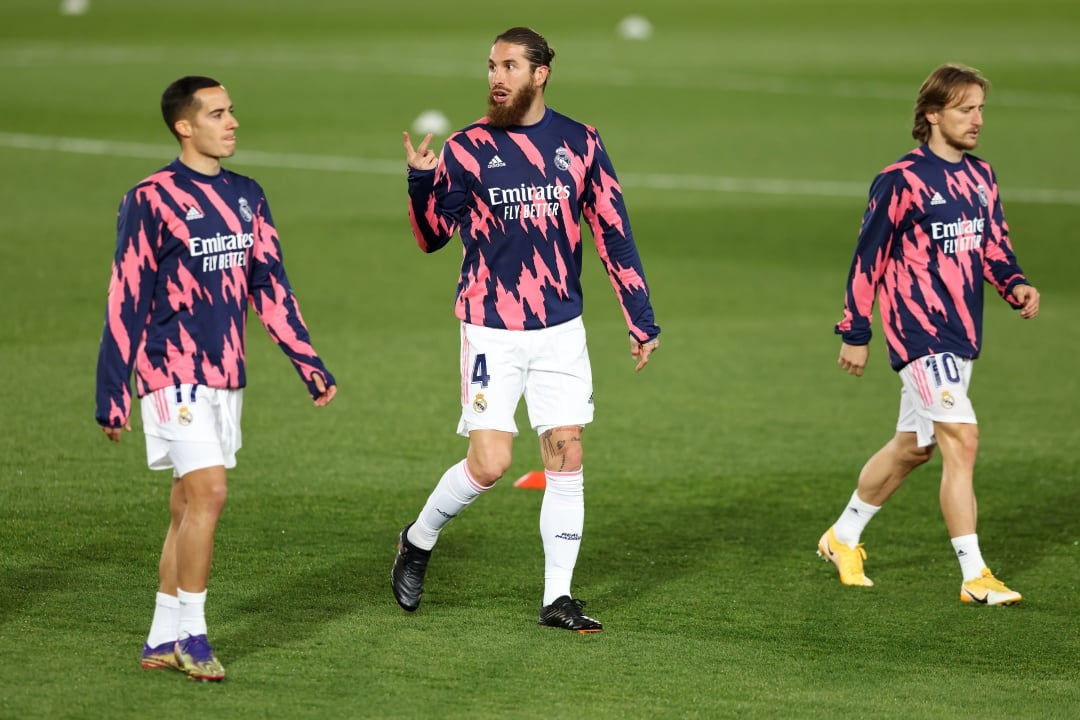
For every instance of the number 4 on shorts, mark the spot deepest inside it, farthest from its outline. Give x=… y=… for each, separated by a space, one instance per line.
x=480 y=371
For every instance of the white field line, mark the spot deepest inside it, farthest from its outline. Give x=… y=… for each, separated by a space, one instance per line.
x=383 y=60
x=654 y=181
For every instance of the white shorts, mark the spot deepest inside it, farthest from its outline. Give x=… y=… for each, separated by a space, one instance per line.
x=550 y=367
x=191 y=427
x=935 y=390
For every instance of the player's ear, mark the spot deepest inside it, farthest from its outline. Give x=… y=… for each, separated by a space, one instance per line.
x=183 y=128
x=540 y=75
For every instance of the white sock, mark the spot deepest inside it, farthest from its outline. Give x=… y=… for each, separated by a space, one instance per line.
x=166 y=622
x=969 y=555
x=455 y=492
x=192 y=614
x=849 y=526
x=562 y=518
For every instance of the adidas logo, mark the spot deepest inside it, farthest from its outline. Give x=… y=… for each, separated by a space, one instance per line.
x=496 y=162
x=193 y=214
x=937 y=199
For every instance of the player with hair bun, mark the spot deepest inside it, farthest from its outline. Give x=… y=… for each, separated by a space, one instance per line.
x=514 y=186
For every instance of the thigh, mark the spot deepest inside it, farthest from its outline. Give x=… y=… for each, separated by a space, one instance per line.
x=559 y=388
x=204 y=486
x=492 y=378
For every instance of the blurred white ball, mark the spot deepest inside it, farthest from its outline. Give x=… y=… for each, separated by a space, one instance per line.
x=74 y=7
x=635 y=27
x=431 y=121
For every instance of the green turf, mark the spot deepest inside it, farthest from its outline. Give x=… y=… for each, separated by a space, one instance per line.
x=710 y=475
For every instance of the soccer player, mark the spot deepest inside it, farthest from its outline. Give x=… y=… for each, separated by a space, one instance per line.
x=514 y=186
x=195 y=244
x=934 y=230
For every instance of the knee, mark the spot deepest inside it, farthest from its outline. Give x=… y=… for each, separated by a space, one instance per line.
x=910 y=456
x=916 y=456
x=177 y=502
x=962 y=441
x=487 y=466
x=561 y=449
x=214 y=497
x=205 y=494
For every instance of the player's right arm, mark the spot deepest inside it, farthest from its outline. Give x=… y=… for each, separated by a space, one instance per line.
x=867 y=268
x=131 y=290
x=437 y=196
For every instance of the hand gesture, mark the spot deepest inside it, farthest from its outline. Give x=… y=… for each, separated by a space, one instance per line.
x=1027 y=300
x=422 y=158
x=642 y=350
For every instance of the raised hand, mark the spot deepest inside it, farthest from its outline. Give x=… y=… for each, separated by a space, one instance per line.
x=422 y=158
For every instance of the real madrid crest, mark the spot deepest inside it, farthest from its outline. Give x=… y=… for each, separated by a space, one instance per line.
x=184 y=416
x=479 y=403
x=984 y=198
x=947 y=400
x=245 y=210
x=562 y=159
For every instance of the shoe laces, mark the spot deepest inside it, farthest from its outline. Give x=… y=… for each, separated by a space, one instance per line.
x=852 y=561
x=198 y=647
x=988 y=581
x=573 y=606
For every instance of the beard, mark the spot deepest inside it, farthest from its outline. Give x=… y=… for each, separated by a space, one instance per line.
x=513 y=111
x=960 y=141
x=963 y=143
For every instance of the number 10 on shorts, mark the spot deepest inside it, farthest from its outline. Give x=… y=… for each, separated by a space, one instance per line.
x=937 y=364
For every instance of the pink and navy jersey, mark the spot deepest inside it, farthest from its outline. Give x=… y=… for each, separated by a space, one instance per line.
x=515 y=196
x=932 y=232
x=191 y=251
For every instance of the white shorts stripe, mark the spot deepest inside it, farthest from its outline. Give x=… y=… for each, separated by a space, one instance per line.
x=918 y=374
x=161 y=404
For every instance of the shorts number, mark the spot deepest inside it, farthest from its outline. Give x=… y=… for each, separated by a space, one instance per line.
x=479 y=371
x=948 y=365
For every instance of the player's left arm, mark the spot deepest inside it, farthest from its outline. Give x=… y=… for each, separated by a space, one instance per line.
x=270 y=293
x=1000 y=267
x=605 y=212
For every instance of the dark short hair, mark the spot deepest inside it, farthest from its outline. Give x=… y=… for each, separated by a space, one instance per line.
x=178 y=100
x=939 y=89
x=537 y=50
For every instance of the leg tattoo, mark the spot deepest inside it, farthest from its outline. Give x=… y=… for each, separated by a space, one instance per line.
x=552 y=447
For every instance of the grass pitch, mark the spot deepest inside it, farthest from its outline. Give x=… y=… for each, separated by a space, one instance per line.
x=746 y=134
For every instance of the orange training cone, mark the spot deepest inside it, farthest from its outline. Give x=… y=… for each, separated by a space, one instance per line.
x=535 y=480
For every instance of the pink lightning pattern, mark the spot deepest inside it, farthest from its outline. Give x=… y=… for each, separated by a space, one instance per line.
x=922 y=253
x=177 y=305
x=522 y=254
